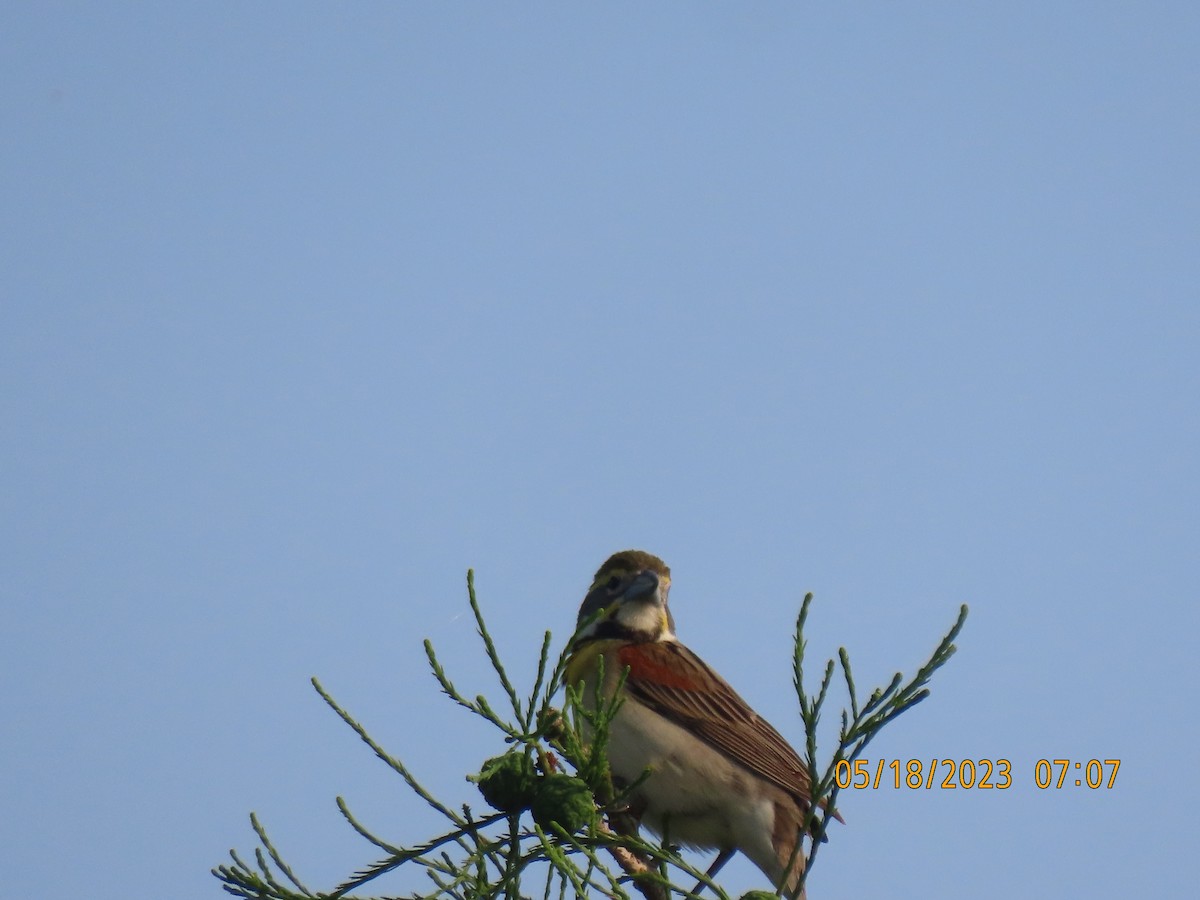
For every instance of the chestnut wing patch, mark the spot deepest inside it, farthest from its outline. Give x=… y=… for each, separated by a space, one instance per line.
x=677 y=684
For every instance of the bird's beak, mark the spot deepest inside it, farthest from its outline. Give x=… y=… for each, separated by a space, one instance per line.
x=644 y=585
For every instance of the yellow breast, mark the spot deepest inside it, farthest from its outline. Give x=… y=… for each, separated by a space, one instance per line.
x=582 y=664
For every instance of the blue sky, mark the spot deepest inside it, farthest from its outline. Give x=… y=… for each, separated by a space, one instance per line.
x=307 y=308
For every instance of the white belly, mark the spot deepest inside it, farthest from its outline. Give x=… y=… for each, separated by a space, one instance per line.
x=695 y=795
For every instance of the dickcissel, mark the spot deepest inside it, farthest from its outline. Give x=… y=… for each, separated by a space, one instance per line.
x=721 y=778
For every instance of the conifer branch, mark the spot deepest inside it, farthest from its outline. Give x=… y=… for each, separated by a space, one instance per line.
x=859 y=726
x=603 y=853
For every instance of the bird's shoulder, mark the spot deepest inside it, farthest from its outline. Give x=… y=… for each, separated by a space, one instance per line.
x=673 y=681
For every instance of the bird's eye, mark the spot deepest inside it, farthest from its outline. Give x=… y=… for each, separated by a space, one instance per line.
x=613 y=583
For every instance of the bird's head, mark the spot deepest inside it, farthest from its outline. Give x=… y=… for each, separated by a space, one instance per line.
x=628 y=599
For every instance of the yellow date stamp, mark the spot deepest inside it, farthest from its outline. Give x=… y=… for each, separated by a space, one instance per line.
x=1090 y=773
x=968 y=774
x=972 y=774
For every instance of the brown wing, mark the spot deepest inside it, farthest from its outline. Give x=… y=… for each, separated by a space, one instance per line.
x=673 y=681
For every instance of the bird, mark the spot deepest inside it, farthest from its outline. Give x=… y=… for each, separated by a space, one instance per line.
x=720 y=776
